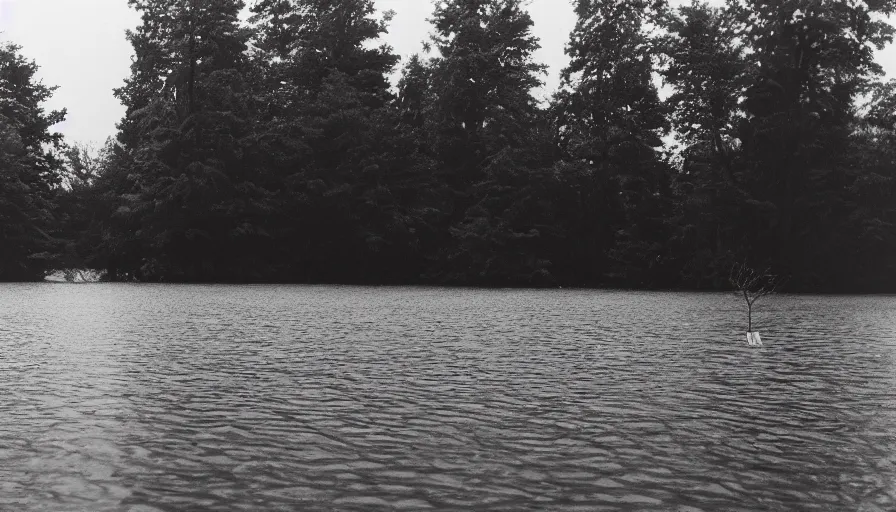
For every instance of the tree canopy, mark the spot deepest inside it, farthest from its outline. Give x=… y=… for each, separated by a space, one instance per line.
x=296 y=147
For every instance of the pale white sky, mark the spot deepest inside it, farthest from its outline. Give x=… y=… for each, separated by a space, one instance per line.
x=80 y=46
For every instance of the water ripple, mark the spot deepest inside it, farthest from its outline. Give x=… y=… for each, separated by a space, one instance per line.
x=165 y=398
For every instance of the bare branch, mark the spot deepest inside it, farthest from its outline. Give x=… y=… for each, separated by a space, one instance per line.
x=753 y=285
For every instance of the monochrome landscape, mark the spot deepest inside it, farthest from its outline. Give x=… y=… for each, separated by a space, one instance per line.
x=310 y=273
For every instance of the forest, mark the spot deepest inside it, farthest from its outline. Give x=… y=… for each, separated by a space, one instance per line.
x=682 y=140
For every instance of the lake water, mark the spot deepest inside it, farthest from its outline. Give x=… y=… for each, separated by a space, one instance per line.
x=172 y=398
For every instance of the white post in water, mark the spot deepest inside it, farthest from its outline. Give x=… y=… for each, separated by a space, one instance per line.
x=753 y=339
x=753 y=286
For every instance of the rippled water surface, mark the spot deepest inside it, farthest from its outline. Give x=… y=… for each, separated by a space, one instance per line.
x=169 y=398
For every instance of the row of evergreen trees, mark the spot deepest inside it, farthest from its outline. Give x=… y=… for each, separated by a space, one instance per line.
x=278 y=151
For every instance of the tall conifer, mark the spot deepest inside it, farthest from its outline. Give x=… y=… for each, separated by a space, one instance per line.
x=183 y=205
x=610 y=122
x=30 y=170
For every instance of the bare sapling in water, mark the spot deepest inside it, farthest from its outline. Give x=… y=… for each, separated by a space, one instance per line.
x=753 y=286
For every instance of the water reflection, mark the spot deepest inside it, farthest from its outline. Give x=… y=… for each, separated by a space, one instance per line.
x=148 y=398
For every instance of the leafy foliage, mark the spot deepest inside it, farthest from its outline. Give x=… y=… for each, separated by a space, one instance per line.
x=682 y=140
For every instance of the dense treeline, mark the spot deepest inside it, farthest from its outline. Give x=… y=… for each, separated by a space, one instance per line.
x=279 y=151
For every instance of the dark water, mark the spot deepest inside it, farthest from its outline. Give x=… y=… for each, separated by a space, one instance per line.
x=147 y=398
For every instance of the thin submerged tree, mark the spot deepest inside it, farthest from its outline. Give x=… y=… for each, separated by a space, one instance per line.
x=753 y=285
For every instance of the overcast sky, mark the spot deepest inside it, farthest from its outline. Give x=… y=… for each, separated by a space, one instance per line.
x=80 y=46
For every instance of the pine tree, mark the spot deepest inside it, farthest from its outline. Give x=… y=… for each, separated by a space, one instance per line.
x=813 y=58
x=481 y=84
x=610 y=122
x=30 y=170
x=413 y=94
x=704 y=60
x=350 y=210
x=186 y=206
x=483 y=132
x=764 y=102
x=705 y=63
